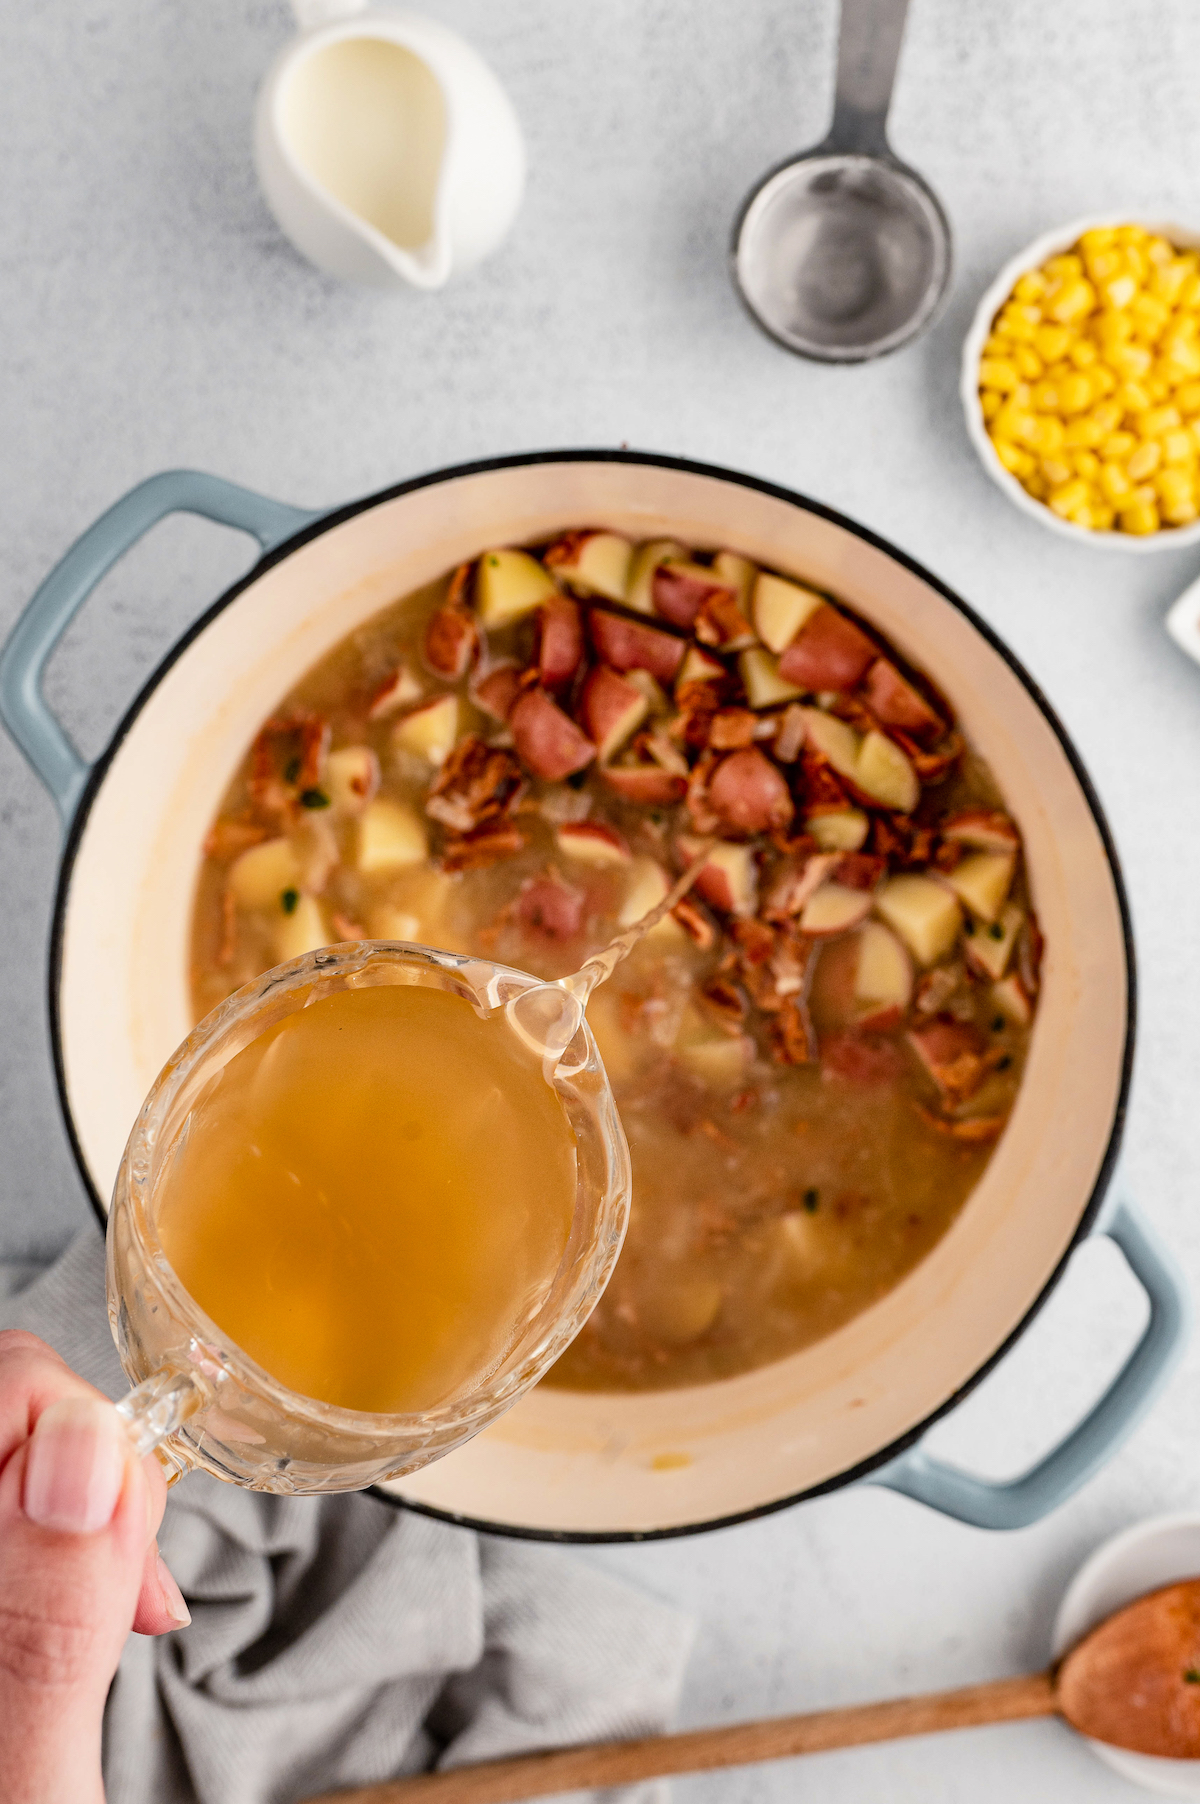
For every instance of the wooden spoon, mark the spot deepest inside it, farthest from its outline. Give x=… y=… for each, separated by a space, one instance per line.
x=1134 y=1682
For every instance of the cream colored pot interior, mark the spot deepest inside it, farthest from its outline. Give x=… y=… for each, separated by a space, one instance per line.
x=612 y=1463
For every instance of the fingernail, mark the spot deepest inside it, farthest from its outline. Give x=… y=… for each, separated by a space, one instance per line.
x=172 y=1596
x=75 y=1466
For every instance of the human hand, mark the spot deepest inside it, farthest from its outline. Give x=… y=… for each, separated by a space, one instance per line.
x=79 y=1568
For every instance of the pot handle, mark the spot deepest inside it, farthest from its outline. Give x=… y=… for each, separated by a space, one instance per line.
x=23 y=706
x=1019 y=1501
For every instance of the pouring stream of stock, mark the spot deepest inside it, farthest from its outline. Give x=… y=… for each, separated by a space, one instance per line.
x=1134 y=1681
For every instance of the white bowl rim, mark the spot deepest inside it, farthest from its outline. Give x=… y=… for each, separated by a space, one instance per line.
x=1049 y=244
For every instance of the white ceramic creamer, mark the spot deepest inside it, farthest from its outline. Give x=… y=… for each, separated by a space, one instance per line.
x=386 y=148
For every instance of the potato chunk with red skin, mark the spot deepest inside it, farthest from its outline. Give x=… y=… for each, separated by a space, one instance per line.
x=560 y=641
x=829 y=652
x=896 y=703
x=497 y=691
x=550 y=908
x=646 y=785
x=547 y=741
x=952 y=1052
x=749 y=794
x=451 y=641
x=610 y=710
x=628 y=645
x=679 y=591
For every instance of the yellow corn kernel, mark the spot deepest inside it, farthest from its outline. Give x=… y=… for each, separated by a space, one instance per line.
x=1083 y=434
x=1145 y=494
x=1087 y=464
x=1103 y=265
x=1160 y=252
x=1020 y=322
x=1052 y=342
x=1187 y=398
x=1113 y=328
x=1114 y=482
x=1066 y=267
x=1136 y=263
x=1177 y=494
x=998 y=373
x=1194 y=429
x=1168 y=279
x=1031 y=286
x=1189 y=294
x=1119 y=444
x=1132 y=397
x=1048 y=439
x=1083 y=354
x=996 y=346
x=1070 y=495
x=1074 y=300
x=1058 y=372
x=1075 y=392
x=1130 y=361
x=1013 y=458
x=1158 y=421
x=1106 y=415
x=1181 y=513
x=990 y=403
x=1103 y=379
x=1130 y=234
x=1045 y=397
x=1118 y=291
x=1056 y=471
x=1141 y=518
x=1181 y=357
x=1145 y=460
x=1028 y=362
x=1037 y=486
x=1150 y=316
x=1084 y=515
x=1098 y=238
x=1103 y=518
x=1158 y=390
x=1179 y=447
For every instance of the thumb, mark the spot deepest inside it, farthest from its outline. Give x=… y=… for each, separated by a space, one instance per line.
x=75 y=1519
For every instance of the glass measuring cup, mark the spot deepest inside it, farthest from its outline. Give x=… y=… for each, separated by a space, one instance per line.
x=199 y=1400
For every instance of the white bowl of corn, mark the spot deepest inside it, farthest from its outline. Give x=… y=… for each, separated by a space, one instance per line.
x=1081 y=383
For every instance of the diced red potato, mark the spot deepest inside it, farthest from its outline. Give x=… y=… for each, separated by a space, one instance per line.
x=987 y=829
x=923 y=912
x=547 y=741
x=651 y=688
x=259 y=877
x=749 y=794
x=729 y=878
x=699 y=667
x=451 y=641
x=781 y=608
x=645 y=785
x=560 y=641
x=796 y=881
x=853 y=1055
x=731 y=729
x=1011 y=998
x=593 y=843
x=738 y=573
x=495 y=693
x=550 y=908
x=884 y=774
x=833 y=739
x=764 y=686
x=351 y=778
x=300 y=929
x=721 y=623
x=610 y=710
x=647 y=885
x=883 y=977
x=391 y=837
x=894 y=701
x=430 y=730
x=662 y=751
x=837 y=829
x=639 y=594
x=510 y=584
x=990 y=948
x=829 y=652
x=595 y=562
x=628 y=645
x=679 y=591
x=396 y=691
x=952 y=1054
x=983 y=881
x=834 y=908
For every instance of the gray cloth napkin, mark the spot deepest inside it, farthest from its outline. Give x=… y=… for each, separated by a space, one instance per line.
x=337 y=1641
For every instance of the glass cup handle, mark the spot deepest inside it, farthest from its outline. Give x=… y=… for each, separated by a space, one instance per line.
x=156 y=1409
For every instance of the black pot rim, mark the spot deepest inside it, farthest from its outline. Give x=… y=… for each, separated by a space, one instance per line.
x=518 y=460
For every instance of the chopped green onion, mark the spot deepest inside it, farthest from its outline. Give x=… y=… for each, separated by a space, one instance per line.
x=314 y=798
x=292 y=769
x=1191 y=1676
x=811 y=1198
x=996 y=931
x=290 y=899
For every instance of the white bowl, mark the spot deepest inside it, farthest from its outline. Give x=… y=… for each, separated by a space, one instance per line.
x=1144 y=1558
x=1051 y=244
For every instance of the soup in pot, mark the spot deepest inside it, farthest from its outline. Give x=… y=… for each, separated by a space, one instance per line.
x=815 y=1054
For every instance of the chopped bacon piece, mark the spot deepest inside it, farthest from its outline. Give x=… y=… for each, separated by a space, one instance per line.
x=896 y=703
x=645 y=784
x=795 y=881
x=610 y=709
x=346 y=929
x=566 y=548
x=550 y=908
x=821 y=785
x=287 y=758
x=496 y=692
x=477 y=783
x=704 y=820
x=679 y=595
x=1029 y=955
x=395 y=691
x=829 y=652
x=792 y=963
x=726 y=1001
x=731 y=729
x=560 y=643
x=226 y=839
x=860 y=870
x=487 y=845
x=860 y=1059
x=695 y=923
x=721 y=624
x=452 y=637
x=754 y=940
x=974 y=1129
x=953 y=1054
x=931 y=766
x=698 y=703
x=628 y=645
x=986 y=829
x=793 y=1041
x=548 y=742
x=747 y=792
